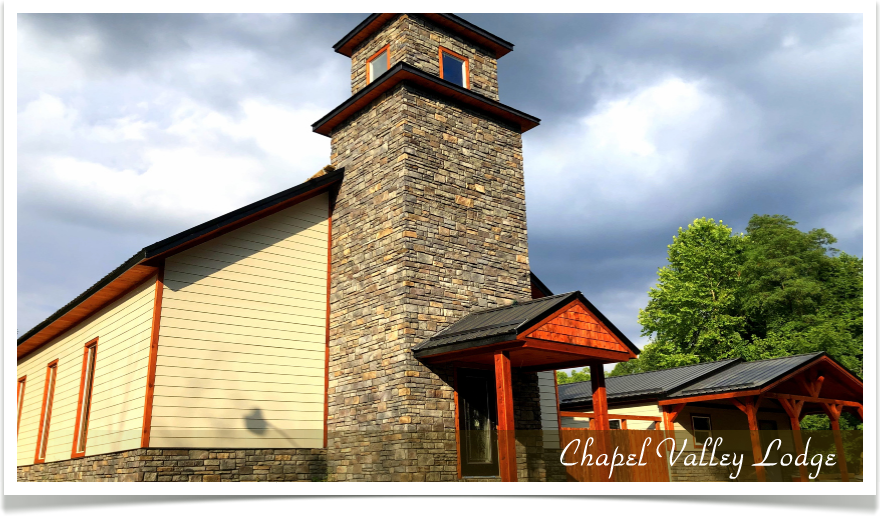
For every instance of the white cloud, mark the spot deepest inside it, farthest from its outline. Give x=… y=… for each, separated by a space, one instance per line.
x=214 y=163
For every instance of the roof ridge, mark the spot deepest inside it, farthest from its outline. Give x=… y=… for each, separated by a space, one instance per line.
x=670 y=369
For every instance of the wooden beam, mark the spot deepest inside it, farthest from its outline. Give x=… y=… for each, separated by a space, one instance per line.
x=624 y=417
x=833 y=410
x=506 y=423
x=749 y=405
x=811 y=399
x=793 y=409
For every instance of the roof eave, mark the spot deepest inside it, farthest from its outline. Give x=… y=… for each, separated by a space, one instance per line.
x=372 y=23
x=402 y=72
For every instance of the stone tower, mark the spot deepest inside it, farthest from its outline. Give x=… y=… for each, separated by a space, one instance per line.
x=428 y=225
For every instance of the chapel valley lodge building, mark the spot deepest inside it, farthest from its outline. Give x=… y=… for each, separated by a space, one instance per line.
x=378 y=322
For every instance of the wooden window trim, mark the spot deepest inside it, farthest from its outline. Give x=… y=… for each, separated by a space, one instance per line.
x=40 y=432
x=374 y=56
x=19 y=397
x=694 y=428
x=467 y=65
x=92 y=344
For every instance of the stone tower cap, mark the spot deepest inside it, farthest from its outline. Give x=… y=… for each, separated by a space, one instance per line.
x=450 y=22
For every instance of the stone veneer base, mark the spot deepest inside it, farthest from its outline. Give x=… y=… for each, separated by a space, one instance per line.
x=185 y=465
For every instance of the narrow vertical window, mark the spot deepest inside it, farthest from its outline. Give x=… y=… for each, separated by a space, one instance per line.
x=454 y=68
x=85 y=399
x=46 y=412
x=21 y=383
x=378 y=64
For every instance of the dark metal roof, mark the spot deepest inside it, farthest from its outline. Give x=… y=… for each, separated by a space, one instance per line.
x=540 y=285
x=451 y=22
x=182 y=238
x=747 y=375
x=652 y=384
x=412 y=75
x=504 y=323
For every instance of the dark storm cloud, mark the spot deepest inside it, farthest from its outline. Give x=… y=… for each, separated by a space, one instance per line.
x=720 y=116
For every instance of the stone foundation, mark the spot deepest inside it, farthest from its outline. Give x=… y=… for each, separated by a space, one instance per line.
x=183 y=465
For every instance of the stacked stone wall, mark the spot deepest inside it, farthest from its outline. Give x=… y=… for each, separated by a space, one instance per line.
x=184 y=465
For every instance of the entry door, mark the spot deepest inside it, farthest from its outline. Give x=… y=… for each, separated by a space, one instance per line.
x=768 y=432
x=477 y=420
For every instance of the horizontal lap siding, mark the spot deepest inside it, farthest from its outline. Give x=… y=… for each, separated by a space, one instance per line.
x=549 y=421
x=116 y=420
x=242 y=340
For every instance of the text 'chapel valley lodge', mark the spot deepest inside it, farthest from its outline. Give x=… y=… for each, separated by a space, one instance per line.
x=378 y=322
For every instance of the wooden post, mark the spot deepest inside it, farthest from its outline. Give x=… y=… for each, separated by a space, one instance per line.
x=793 y=409
x=750 y=406
x=600 y=420
x=504 y=397
x=600 y=402
x=833 y=412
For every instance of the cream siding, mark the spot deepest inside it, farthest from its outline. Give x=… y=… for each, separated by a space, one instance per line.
x=115 y=424
x=242 y=339
x=549 y=406
x=641 y=409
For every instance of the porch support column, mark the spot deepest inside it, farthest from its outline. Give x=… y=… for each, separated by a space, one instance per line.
x=506 y=425
x=600 y=401
x=749 y=405
x=833 y=411
x=793 y=409
x=670 y=413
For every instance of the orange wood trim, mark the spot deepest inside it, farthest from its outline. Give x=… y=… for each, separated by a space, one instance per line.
x=855 y=383
x=569 y=413
x=467 y=65
x=709 y=397
x=550 y=317
x=79 y=404
x=19 y=400
x=506 y=423
x=606 y=355
x=154 y=355
x=749 y=406
x=49 y=367
x=526 y=335
x=457 y=424
x=558 y=408
x=374 y=56
x=600 y=402
x=838 y=443
x=794 y=413
x=327 y=325
x=810 y=399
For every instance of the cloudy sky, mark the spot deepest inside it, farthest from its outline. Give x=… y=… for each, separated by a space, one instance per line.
x=134 y=127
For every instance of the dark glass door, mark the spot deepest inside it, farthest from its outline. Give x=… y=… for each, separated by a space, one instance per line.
x=477 y=419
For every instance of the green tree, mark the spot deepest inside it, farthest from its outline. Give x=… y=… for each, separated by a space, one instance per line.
x=774 y=291
x=694 y=313
x=576 y=376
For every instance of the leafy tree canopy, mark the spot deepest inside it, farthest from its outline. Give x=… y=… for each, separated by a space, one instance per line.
x=772 y=291
x=576 y=376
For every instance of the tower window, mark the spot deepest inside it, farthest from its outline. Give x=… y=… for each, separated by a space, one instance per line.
x=454 y=68
x=378 y=64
